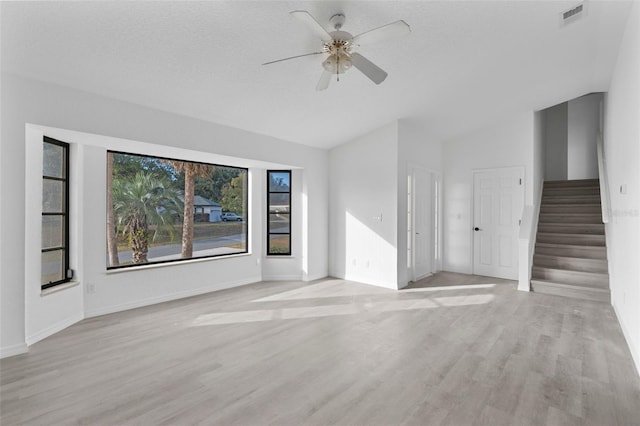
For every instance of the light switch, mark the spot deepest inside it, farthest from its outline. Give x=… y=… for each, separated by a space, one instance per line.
x=623 y=188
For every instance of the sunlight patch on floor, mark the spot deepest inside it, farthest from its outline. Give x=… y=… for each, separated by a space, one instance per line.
x=240 y=317
x=449 y=287
x=334 y=288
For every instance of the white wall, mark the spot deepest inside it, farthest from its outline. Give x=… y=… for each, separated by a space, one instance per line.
x=25 y=101
x=504 y=144
x=415 y=149
x=583 y=117
x=363 y=176
x=556 y=142
x=622 y=148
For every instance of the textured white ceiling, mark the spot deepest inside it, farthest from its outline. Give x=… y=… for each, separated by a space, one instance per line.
x=464 y=63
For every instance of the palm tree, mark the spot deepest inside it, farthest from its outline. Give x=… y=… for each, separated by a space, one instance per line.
x=191 y=170
x=140 y=202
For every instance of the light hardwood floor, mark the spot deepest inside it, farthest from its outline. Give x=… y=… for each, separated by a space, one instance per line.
x=452 y=349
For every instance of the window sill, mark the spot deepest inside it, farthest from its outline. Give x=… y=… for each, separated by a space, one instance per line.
x=58 y=288
x=280 y=256
x=177 y=263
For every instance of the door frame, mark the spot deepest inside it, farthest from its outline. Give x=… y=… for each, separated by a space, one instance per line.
x=437 y=233
x=472 y=217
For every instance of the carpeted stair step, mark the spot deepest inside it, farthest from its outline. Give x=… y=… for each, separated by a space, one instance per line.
x=571 y=208
x=570 y=263
x=570 y=250
x=561 y=276
x=571 y=239
x=568 y=290
x=571 y=218
x=572 y=228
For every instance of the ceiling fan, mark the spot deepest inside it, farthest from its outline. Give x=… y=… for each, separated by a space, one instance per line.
x=340 y=46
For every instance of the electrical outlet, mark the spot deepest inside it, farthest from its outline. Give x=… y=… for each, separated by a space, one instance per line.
x=91 y=288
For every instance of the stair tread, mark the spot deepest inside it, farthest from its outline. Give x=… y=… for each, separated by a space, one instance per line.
x=572 y=235
x=571 y=214
x=577 y=225
x=576 y=206
x=571 y=228
x=571 y=195
x=572 y=246
x=554 y=256
x=572 y=239
x=570 y=291
x=572 y=180
x=587 y=274
x=594 y=250
x=570 y=286
x=570 y=263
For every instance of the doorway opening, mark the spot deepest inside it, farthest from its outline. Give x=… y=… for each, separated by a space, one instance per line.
x=424 y=220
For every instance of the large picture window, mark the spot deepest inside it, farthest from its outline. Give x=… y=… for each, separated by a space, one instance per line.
x=167 y=210
x=55 y=213
x=279 y=212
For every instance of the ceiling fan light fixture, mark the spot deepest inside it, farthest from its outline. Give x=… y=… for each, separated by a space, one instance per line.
x=337 y=63
x=330 y=64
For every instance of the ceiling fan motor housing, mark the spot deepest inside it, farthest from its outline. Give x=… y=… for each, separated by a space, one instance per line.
x=339 y=50
x=337 y=21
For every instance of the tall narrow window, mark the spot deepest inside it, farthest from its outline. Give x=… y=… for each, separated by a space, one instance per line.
x=279 y=212
x=55 y=213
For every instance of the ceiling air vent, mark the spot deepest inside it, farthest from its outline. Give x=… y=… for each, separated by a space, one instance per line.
x=572 y=14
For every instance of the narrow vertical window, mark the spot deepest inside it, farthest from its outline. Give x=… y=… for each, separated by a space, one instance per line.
x=55 y=213
x=279 y=212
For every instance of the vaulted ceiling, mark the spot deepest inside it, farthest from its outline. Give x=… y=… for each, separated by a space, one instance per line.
x=464 y=63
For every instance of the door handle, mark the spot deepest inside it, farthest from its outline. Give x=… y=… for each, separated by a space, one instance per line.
x=477 y=229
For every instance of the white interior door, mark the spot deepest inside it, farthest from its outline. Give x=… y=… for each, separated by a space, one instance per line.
x=498 y=202
x=423 y=223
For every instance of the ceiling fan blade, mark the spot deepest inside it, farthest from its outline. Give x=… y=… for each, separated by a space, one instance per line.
x=325 y=78
x=368 y=68
x=385 y=32
x=293 y=57
x=312 y=24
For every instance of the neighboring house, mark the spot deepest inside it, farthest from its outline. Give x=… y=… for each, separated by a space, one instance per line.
x=202 y=205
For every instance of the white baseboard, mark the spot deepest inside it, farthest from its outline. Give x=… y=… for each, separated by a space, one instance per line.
x=633 y=348
x=282 y=278
x=369 y=281
x=53 y=329
x=315 y=277
x=169 y=297
x=7 y=351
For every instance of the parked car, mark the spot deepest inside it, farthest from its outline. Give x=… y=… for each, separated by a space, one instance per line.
x=231 y=217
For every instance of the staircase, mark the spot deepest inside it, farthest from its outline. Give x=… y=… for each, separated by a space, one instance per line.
x=570 y=256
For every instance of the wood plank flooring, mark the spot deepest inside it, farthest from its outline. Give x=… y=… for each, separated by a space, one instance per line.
x=450 y=350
